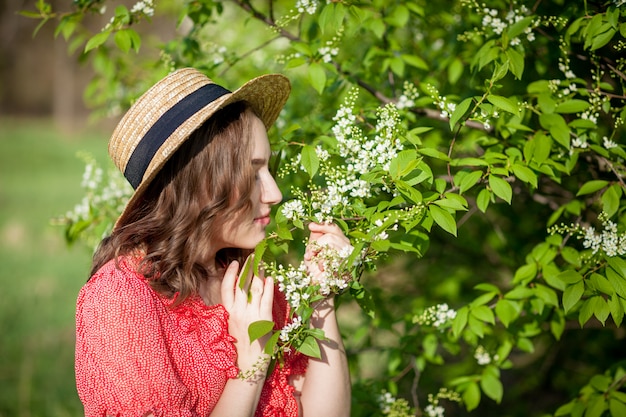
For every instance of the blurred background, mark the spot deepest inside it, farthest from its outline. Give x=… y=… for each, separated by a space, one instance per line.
x=43 y=124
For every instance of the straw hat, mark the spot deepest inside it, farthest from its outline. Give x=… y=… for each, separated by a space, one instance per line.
x=162 y=119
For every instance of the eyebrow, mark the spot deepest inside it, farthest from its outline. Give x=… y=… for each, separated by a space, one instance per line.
x=259 y=161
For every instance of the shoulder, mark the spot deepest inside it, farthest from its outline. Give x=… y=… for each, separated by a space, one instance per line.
x=117 y=285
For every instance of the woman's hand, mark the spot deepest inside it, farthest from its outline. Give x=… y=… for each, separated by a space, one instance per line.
x=323 y=235
x=246 y=304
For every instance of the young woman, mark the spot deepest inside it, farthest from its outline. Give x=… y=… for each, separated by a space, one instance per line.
x=162 y=324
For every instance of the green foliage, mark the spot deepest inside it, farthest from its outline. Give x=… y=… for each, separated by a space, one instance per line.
x=509 y=121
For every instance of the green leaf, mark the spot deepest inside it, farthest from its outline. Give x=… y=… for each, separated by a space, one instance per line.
x=443 y=218
x=507 y=311
x=596 y=406
x=317 y=77
x=271 y=343
x=452 y=203
x=547 y=294
x=557 y=126
x=572 y=295
x=501 y=188
x=97 y=40
x=434 y=153
x=469 y=180
x=455 y=70
x=310 y=347
x=617 y=310
x=483 y=199
x=492 y=387
x=586 y=311
x=525 y=273
x=525 y=174
x=483 y=313
x=415 y=61
x=518 y=27
x=617 y=408
x=399 y=16
x=591 y=187
x=572 y=106
x=363 y=298
x=404 y=163
x=557 y=324
x=504 y=103
x=123 y=40
x=525 y=344
x=460 y=111
x=460 y=321
x=543 y=147
x=570 y=276
x=602 y=39
x=331 y=17
x=259 y=328
x=245 y=271
x=600 y=308
x=516 y=63
x=611 y=199
x=309 y=159
x=471 y=396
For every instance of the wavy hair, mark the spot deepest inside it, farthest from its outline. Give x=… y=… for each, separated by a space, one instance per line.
x=207 y=181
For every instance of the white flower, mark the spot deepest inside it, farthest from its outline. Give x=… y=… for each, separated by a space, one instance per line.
x=434 y=410
x=293 y=210
x=608 y=144
x=144 y=6
x=308 y=6
x=436 y=316
x=482 y=356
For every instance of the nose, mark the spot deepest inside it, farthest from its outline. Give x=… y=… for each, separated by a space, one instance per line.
x=270 y=194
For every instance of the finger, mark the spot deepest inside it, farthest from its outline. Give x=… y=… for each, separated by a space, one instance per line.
x=322 y=228
x=267 y=301
x=330 y=241
x=256 y=291
x=228 y=284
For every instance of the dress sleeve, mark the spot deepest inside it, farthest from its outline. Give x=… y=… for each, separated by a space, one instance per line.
x=123 y=367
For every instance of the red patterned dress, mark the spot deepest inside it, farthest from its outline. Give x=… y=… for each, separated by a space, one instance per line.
x=135 y=354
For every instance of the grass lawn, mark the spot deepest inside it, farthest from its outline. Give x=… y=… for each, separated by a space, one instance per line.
x=40 y=276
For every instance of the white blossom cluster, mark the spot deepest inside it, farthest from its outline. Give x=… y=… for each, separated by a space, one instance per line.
x=482 y=356
x=333 y=277
x=609 y=241
x=110 y=196
x=300 y=287
x=293 y=210
x=437 y=316
x=362 y=154
x=294 y=283
x=608 y=143
x=392 y=406
x=492 y=22
x=330 y=49
x=306 y=6
x=382 y=235
x=408 y=96
x=287 y=332
x=434 y=409
x=144 y=6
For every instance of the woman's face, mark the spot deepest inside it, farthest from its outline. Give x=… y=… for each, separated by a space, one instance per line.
x=248 y=230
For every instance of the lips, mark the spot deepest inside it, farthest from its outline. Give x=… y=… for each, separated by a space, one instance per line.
x=263 y=220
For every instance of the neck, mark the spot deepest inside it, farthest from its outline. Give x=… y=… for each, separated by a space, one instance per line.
x=210 y=289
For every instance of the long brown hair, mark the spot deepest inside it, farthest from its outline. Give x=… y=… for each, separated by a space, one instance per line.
x=207 y=181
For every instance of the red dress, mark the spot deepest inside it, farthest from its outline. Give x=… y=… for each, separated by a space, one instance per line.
x=137 y=355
